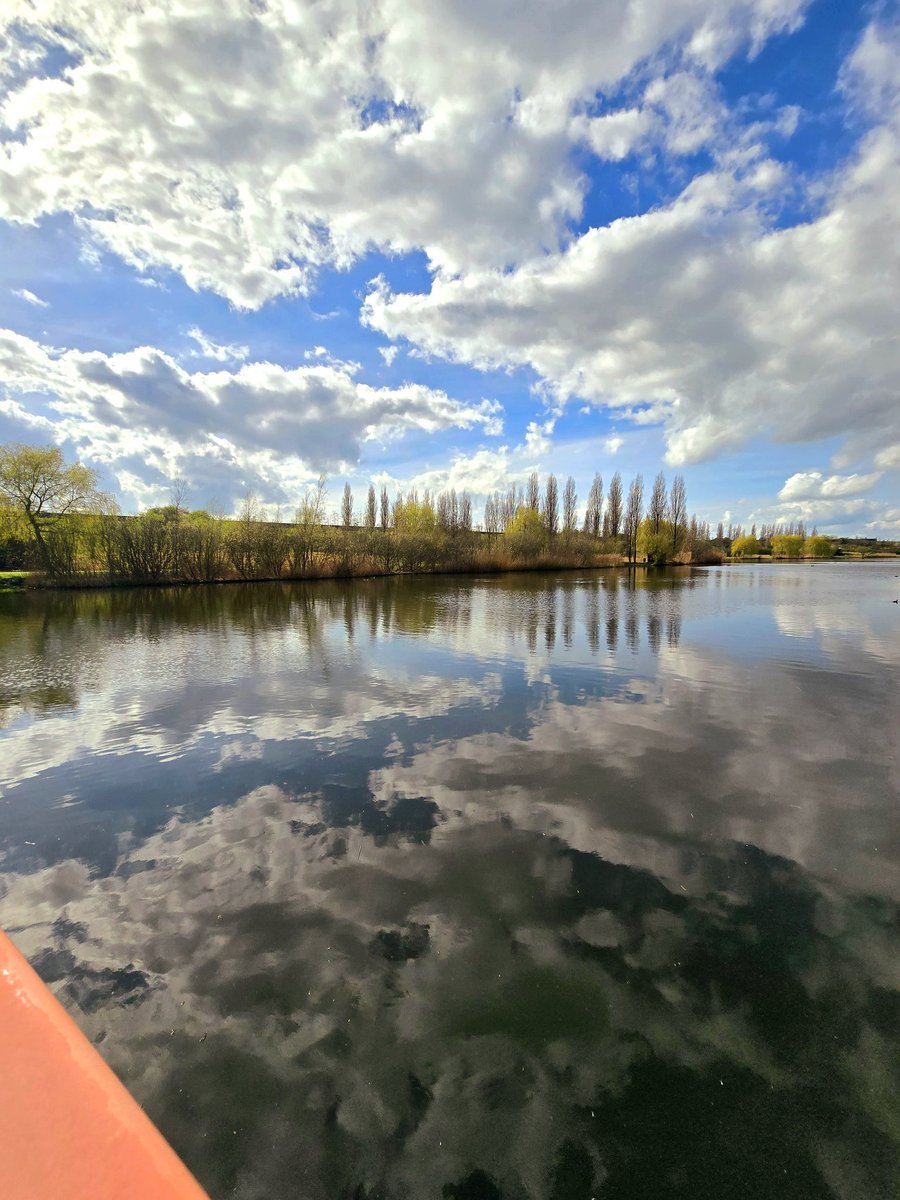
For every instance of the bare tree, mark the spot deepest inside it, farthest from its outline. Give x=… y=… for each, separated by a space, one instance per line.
x=465 y=511
x=634 y=512
x=492 y=522
x=384 y=505
x=442 y=511
x=656 y=509
x=509 y=505
x=551 y=504
x=371 y=508
x=677 y=510
x=533 y=491
x=570 y=505
x=594 y=507
x=614 y=506
x=178 y=491
x=347 y=507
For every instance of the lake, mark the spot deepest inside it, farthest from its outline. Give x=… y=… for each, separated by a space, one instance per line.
x=550 y=886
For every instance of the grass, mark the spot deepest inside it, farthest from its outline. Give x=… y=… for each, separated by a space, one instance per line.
x=13 y=579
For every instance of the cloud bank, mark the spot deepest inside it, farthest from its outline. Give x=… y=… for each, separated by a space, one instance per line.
x=259 y=426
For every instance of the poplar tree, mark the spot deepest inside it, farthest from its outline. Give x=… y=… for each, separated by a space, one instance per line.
x=347 y=507
x=533 y=492
x=634 y=511
x=677 y=510
x=551 y=505
x=570 y=505
x=614 y=506
x=594 y=507
x=656 y=508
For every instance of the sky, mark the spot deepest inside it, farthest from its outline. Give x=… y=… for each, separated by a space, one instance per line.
x=247 y=242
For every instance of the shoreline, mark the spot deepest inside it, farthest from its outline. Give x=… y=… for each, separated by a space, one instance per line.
x=20 y=581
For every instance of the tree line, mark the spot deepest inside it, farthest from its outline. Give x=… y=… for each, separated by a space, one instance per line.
x=54 y=518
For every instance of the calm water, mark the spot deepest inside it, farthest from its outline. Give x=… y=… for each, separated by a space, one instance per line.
x=528 y=886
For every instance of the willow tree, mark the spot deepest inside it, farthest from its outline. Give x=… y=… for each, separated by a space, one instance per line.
x=39 y=487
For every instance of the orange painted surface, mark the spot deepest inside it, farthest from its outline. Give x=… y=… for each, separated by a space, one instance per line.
x=68 y=1128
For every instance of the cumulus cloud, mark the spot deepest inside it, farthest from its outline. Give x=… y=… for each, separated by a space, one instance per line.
x=704 y=314
x=679 y=113
x=869 y=77
x=813 y=485
x=244 y=146
x=261 y=425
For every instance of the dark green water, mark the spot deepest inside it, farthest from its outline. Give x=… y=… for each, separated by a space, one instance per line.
x=528 y=886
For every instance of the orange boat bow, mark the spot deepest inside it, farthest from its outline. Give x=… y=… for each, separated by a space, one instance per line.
x=68 y=1128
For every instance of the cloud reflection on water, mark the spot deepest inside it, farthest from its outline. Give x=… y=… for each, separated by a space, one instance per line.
x=580 y=903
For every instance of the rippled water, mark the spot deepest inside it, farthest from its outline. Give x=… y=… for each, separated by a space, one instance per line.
x=527 y=886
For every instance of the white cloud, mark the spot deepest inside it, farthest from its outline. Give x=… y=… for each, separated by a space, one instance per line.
x=223 y=353
x=613 y=444
x=261 y=425
x=30 y=297
x=703 y=314
x=870 y=77
x=888 y=457
x=813 y=485
x=245 y=146
x=680 y=112
x=388 y=353
x=845 y=515
x=538 y=436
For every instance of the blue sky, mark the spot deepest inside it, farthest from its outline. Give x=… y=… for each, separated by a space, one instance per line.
x=244 y=243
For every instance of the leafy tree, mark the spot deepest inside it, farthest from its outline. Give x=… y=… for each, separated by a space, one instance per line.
x=36 y=484
x=747 y=546
x=787 y=545
x=371 y=508
x=526 y=533
x=655 y=547
x=818 y=546
x=414 y=516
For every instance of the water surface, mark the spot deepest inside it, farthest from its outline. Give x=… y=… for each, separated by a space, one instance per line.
x=546 y=886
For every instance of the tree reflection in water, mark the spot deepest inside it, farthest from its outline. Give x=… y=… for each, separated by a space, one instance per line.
x=510 y=887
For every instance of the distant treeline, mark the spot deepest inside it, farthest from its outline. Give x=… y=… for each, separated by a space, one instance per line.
x=54 y=521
